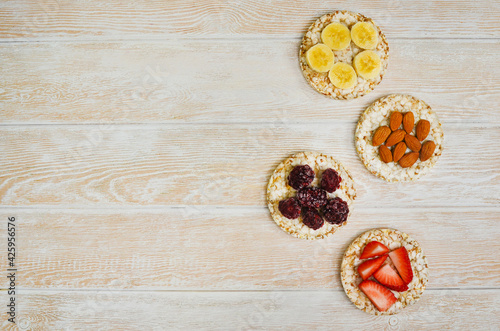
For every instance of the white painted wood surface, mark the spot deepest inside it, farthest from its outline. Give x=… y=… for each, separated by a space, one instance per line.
x=222 y=165
x=228 y=81
x=94 y=19
x=137 y=139
x=277 y=310
x=207 y=248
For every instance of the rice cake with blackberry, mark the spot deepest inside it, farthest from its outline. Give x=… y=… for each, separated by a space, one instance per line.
x=279 y=189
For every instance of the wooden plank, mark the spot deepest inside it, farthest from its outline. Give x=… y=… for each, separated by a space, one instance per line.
x=54 y=19
x=229 y=81
x=171 y=165
x=297 y=310
x=234 y=249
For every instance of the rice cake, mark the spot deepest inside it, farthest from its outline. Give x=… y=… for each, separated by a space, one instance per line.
x=320 y=81
x=278 y=189
x=378 y=114
x=393 y=239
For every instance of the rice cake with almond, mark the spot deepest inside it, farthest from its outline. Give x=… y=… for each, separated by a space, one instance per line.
x=278 y=189
x=378 y=114
x=320 y=81
x=393 y=239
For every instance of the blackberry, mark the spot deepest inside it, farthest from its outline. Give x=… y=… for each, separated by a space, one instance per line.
x=335 y=211
x=300 y=177
x=312 y=218
x=330 y=180
x=312 y=197
x=290 y=208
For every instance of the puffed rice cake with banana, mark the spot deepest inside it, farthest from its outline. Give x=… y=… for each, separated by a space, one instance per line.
x=320 y=80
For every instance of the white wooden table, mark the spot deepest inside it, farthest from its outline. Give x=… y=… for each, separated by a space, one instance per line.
x=137 y=139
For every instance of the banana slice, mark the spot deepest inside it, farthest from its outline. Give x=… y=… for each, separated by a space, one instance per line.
x=343 y=75
x=320 y=58
x=364 y=35
x=336 y=36
x=367 y=64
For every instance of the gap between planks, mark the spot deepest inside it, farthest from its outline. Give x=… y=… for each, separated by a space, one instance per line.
x=220 y=209
x=220 y=38
x=53 y=290
x=478 y=124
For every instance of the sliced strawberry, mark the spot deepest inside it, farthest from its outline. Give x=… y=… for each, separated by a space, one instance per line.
x=381 y=297
x=390 y=278
x=367 y=268
x=402 y=263
x=373 y=249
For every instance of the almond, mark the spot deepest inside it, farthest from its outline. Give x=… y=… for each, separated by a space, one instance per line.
x=412 y=143
x=395 y=137
x=396 y=119
x=423 y=128
x=408 y=122
x=408 y=160
x=385 y=154
x=427 y=150
x=381 y=135
x=399 y=151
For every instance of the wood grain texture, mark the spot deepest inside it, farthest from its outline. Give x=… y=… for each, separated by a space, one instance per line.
x=297 y=310
x=137 y=139
x=221 y=165
x=54 y=19
x=235 y=249
x=230 y=81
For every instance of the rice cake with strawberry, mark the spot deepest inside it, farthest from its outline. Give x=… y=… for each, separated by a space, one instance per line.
x=378 y=115
x=280 y=190
x=354 y=45
x=395 y=241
